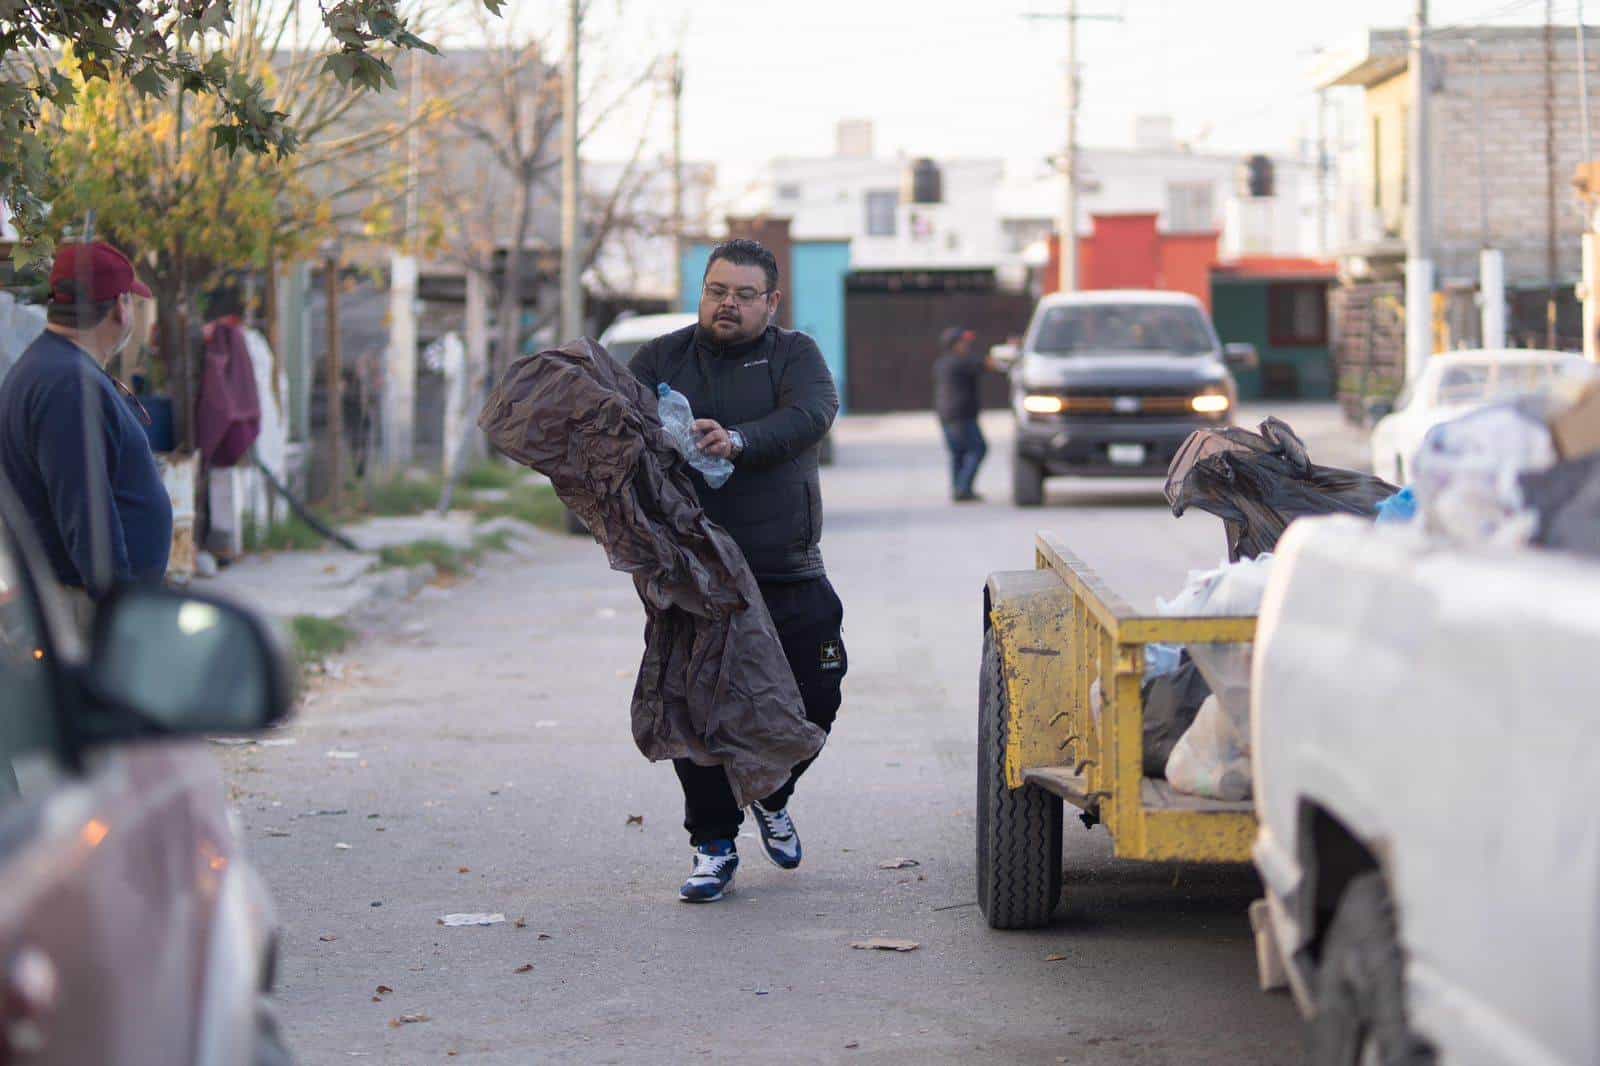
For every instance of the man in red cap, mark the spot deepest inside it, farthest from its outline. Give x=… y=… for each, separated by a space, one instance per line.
x=72 y=445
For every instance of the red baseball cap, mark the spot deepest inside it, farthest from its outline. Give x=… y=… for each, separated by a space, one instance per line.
x=106 y=272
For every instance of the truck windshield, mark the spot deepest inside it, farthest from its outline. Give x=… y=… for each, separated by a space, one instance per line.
x=1129 y=327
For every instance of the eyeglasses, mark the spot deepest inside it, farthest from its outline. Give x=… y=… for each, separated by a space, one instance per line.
x=718 y=293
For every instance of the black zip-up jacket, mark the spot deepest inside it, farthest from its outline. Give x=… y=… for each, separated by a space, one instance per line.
x=776 y=391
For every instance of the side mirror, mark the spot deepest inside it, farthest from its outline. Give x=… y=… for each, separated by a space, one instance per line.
x=174 y=663
x=1378 y=407
x=1241 y=355
x=1004 y=356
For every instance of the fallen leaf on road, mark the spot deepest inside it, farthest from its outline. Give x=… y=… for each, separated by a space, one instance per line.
x=884 y=943
x=635 y=819
x=464 y=870
x=521 y=923
x=384 y=990
x=526 y=967
x=1055 y=958
x=898 y=864
x=409 y=1019
x=455 y=920
x=327 y=938
x=330 y=569
x=546 y=936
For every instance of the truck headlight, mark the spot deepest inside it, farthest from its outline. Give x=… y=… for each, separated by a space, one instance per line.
x=1043 y=405
x=1210 y=403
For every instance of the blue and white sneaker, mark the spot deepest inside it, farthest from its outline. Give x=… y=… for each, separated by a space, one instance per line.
x=714 y=865
x=778 y=836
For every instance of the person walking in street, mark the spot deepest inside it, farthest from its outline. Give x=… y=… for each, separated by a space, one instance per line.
x=763 y=398
x=957 y=375
x=72 y=445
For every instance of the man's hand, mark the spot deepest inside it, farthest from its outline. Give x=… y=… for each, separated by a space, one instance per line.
x=712 y=438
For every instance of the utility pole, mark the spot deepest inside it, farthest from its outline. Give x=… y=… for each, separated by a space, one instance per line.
x=1419 y=228
x=1069 y=205
x=1322 y=172
x=571 y=260
x=335 y=371
x=1067 y=276
x=1491 y=263
x=1550 y=258
x=400 y=364
x=676 y=86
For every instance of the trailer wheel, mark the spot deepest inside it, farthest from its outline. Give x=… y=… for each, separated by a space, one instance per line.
x=1361 y=1014
x=1027 y=481
x=1019 y=831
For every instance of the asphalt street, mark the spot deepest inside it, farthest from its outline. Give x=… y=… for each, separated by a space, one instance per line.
x=475 y=756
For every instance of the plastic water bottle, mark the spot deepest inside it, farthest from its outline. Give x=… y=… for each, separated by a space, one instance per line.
x=678 y=420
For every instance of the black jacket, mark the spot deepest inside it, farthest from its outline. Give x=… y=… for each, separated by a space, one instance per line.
x=956 y=379
x=777 y=391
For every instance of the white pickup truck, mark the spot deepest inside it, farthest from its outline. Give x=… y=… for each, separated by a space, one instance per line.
x=1427 y=776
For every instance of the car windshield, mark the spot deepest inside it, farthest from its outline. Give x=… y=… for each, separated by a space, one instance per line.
x=1131 y=327
x=1478 y=382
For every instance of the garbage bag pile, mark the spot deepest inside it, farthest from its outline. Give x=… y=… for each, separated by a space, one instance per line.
x=1258 y=483
x=1197 y=716
x=1521 y=472
x=714 y=685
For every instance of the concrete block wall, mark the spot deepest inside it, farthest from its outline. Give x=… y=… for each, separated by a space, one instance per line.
x=1509 y=70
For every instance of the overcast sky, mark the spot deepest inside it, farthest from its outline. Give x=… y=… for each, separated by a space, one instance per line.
x=978 y=78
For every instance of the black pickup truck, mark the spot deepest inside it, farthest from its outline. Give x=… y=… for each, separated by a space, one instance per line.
x=1110 y=383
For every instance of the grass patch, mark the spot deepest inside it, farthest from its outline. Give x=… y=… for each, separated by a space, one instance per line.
x=498 y=541
x=445 y=558
x=291 y=535
x=317 y=638
x=492 y=475
x=403 y=496
x=536 y=504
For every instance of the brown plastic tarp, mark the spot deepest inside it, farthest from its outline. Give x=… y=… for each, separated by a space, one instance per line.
x=714 y=685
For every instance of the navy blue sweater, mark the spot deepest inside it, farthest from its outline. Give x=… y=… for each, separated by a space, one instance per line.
x=46 y=456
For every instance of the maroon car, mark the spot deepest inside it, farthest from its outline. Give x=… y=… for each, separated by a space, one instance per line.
x=132 y=929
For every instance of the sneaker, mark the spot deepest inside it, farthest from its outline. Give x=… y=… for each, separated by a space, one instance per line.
x=714 y=864
x=778 y=836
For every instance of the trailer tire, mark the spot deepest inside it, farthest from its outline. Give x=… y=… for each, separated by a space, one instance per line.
x=1019 y=830
x=1027 y=481
x=1361 y=1014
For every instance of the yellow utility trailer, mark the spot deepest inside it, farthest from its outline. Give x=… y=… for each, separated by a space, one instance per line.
x=1061 y=718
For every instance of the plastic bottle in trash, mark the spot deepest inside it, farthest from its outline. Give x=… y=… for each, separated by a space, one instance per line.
x=678 y=420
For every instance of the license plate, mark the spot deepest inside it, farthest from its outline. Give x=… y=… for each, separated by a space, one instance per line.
x=1126 y=454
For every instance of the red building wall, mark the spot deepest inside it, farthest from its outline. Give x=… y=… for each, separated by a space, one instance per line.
x=1129 y=252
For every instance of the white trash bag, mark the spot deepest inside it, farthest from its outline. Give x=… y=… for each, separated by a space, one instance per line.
x=1212 y=758
x=1465 y=474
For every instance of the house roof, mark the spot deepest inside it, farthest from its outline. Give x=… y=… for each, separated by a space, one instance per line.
x=1375 y=56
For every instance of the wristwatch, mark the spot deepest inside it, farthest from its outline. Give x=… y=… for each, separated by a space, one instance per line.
x=738 y=442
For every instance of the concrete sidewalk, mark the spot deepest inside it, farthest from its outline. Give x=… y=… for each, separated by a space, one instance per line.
x=337 y=584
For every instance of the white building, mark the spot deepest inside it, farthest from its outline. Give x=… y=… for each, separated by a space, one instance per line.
x=858 y=196
x=989 y=218
x=1189 y=191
